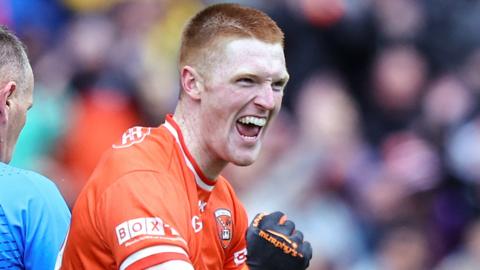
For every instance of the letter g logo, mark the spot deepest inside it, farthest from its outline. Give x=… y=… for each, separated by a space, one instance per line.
x=197 y=224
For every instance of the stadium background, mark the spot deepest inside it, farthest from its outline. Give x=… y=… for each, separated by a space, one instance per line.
x=376 y=154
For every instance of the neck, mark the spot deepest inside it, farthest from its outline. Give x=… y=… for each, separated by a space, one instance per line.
x=4 y=157
x=190 y=126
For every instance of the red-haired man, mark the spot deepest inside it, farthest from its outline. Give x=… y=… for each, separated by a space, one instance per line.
x=157 y=199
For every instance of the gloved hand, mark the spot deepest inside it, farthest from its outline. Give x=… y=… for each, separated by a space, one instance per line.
x=274 y=244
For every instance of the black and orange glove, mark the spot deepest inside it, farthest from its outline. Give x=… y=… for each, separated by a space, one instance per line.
x=274 y=244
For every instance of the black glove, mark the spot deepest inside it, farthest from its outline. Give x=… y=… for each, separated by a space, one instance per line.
x=274 y=244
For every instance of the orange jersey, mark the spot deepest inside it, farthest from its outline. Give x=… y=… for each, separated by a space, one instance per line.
x=147 y=202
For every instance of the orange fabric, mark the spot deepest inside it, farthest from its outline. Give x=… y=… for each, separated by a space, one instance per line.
x=100 y=118
x=146 y=204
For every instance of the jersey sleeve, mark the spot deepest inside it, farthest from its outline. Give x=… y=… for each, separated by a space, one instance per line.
x=237 y=253
x=47 y=221
x=143 y=221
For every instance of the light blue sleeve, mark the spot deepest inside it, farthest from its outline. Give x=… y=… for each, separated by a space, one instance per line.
x=47 y=221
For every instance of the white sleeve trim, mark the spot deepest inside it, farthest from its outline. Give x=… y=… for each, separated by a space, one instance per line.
x=58 y=261
x=175 y=264
x=143 y=253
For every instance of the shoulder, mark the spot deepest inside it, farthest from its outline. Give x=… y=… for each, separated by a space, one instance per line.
x=140 y=148
x=138 y=137
x=30 y=201
x=20 y=184
x=136 y=166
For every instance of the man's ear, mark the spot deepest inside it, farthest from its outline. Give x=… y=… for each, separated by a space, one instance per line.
x=5 y=94
x=192 y=82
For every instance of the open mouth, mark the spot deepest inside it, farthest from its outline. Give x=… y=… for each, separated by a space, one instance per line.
x=250 y=126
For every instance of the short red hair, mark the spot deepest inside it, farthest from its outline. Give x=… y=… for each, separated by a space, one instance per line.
x=223 y=21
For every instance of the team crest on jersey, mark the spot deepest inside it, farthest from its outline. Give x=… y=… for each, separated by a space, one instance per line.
x=224 y=226
x=132 y=136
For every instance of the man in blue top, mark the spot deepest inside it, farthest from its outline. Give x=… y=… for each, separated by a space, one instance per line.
x=34 y=217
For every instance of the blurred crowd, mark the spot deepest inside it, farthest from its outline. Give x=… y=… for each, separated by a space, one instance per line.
x=375 y=155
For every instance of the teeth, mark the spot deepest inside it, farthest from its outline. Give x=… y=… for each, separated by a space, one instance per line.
x=253 y=121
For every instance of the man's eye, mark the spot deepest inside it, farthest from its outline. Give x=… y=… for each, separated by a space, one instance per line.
x=278 y=86
x=245 y=81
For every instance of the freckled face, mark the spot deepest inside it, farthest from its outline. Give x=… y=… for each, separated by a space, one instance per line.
x=243 y=93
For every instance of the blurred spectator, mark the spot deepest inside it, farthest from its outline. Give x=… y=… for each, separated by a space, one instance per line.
x=157 y=95
x=402 y=247
x=463 y=151
x=467 y=257
x=395 y=28
x=398 y=77
x=38 y=23
x=86 y=6
x=450 y=34
x=470 y=70
x=391 y=185
x=88 y=135
x=410 y=160
x=446 y=104
x=5 y=13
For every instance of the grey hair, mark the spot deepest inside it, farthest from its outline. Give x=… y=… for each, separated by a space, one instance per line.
x=13 y=57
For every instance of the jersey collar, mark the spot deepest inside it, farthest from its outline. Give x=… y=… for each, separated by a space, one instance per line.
x=200 y=178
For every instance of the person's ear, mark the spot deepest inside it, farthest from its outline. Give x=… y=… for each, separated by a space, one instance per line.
x=5 y=94
x=192 y=82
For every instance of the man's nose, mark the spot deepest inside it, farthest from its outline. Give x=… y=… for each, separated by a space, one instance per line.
x=265 y=98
